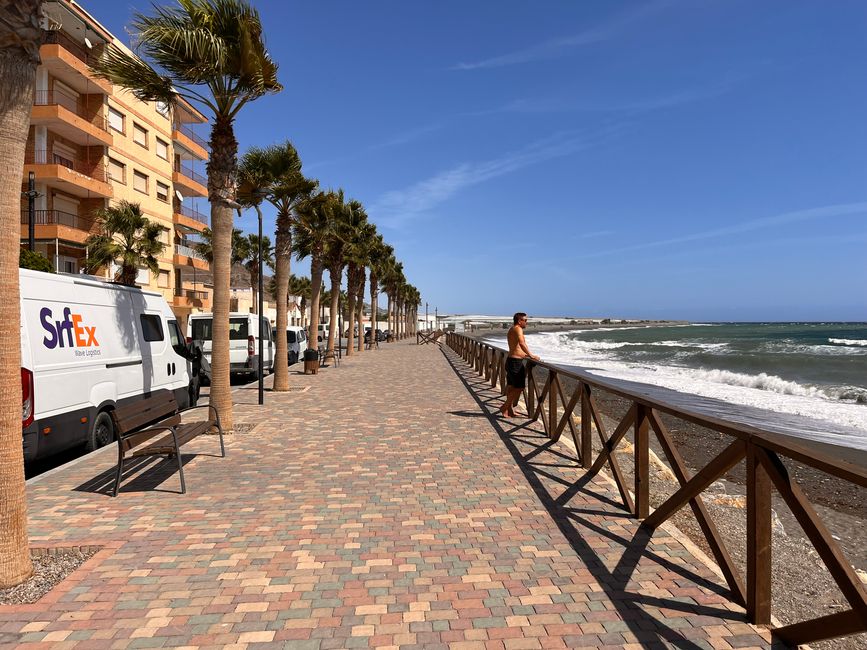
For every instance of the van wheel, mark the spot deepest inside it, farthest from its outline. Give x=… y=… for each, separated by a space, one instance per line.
x=102 y=433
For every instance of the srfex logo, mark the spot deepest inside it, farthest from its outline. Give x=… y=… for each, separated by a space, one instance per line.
x=67 y=332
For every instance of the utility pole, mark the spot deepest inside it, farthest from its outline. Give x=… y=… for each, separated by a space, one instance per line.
x=426 y=321
x=436 y=319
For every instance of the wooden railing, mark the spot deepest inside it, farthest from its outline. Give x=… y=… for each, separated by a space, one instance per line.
x=762 y=450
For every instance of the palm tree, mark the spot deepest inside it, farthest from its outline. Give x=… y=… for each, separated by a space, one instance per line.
x=251 y=263
x=380 y=252
x=274 y=174
x=348 y=217
x=301 y=287
x=127 y=238
x=20 y=38
x=210 y=53
x=311 y=230
x=358 y=250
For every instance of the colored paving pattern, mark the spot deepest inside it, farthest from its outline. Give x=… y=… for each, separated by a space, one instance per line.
x=381 y=507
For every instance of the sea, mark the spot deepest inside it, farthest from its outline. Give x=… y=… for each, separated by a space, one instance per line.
x=808 y=380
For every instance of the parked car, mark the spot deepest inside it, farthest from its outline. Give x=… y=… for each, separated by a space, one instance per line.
x=386 y=334
x=243 y=342
x=87 y=347
x=296 y=338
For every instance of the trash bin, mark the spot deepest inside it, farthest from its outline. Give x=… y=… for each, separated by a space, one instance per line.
x=311 y=361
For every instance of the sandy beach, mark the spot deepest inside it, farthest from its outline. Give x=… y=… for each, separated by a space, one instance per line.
x=839 y=503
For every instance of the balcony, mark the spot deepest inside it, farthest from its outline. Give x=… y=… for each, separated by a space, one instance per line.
x=186 y=255
x=189 y=182
x=192 y=298
x=77 y=176
x=68 y=61
x=55 y=224
x=70 y=119
x=189 y=217
x=190 y=140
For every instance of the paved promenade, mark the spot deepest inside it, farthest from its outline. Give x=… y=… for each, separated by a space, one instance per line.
x=379 y=507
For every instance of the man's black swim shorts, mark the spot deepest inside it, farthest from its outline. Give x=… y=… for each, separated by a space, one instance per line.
x=516 y=373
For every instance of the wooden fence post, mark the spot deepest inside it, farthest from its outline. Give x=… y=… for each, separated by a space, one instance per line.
x=758 y=539
x=586 y=430
x=642 y=463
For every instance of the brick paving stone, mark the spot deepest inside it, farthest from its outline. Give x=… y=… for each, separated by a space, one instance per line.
x=381 y=507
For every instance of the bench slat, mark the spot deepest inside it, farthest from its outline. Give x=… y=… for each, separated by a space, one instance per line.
x=142 y=412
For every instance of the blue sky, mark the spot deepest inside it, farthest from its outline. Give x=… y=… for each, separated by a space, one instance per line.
x=692 y=159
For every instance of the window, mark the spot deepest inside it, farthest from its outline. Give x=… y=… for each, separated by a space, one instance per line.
x=162 y=192
x=163 y=280
x=177 y=339
x=116 y=171
x=139 y=135
x=162 y=149
x=237 y=329
x=151 y=327
x=162 y=109
x=115 y=119
x=140 y=182
x=201 y=329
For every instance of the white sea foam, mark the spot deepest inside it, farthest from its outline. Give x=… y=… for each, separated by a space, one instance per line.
x=856 y=342
x=762 y=390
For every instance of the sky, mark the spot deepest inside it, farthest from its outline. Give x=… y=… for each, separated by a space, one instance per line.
x=702 y=160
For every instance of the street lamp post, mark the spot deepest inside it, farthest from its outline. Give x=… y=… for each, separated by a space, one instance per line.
x=31 y=195
x=426 y=321
x=436 y=319
x=261 y=318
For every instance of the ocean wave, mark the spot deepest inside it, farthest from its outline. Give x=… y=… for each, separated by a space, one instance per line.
x=762 y=381
x=855 y=342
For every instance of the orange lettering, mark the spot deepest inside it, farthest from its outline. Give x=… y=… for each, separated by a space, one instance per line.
x=79 y=331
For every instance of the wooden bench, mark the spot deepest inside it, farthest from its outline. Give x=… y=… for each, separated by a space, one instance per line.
x=154 y=426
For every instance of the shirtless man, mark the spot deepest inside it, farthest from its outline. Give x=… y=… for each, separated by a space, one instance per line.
x=516 y=370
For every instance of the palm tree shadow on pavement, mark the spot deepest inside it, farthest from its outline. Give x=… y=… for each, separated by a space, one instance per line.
x=616 y=582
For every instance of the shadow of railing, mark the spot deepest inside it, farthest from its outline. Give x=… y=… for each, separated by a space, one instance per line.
x=531 y=450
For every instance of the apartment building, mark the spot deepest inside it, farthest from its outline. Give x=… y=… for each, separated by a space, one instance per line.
x=92 y=144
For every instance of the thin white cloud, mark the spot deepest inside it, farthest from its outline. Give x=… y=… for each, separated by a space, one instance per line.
x=399 y=206
x=557 y=47
x=828 y=211
x=407 y=136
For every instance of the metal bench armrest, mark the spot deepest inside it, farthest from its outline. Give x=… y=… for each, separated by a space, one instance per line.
x=210 y=407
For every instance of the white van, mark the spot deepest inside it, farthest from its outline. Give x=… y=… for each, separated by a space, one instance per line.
x=296 y=337
x=88 y=346
x=243 y=341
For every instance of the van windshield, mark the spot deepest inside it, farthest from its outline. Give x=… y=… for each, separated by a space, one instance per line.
x=203 y=329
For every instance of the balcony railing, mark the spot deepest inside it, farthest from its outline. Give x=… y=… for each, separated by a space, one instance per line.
x=188 y=251
x=192 y=135
x=95 y=169
x=191 y=213
x=57 y=217
x=183 y=170
x=192 y=294
x=51 y=98
x=79 y=51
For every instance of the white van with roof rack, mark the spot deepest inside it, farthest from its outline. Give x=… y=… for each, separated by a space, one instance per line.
x=243 y=342
x=88 y=346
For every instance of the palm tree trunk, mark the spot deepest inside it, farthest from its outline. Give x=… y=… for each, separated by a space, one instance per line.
x=352 y=298
x=18 y=72
x=360 y=307
x=336 y=273
x=222 y=172
x=315 y=293
x=373 y=309
x=282 y=268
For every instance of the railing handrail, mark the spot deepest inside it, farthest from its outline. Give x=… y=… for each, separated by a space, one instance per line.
x=777 y=442
x=192 y=213
x=57 y=37
x=94 y=169
x=189 y=251
x=192 y=135
x=760 y=450
x=47 y=217
x=78 y=107
x=189 y=173
x=194 y=294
